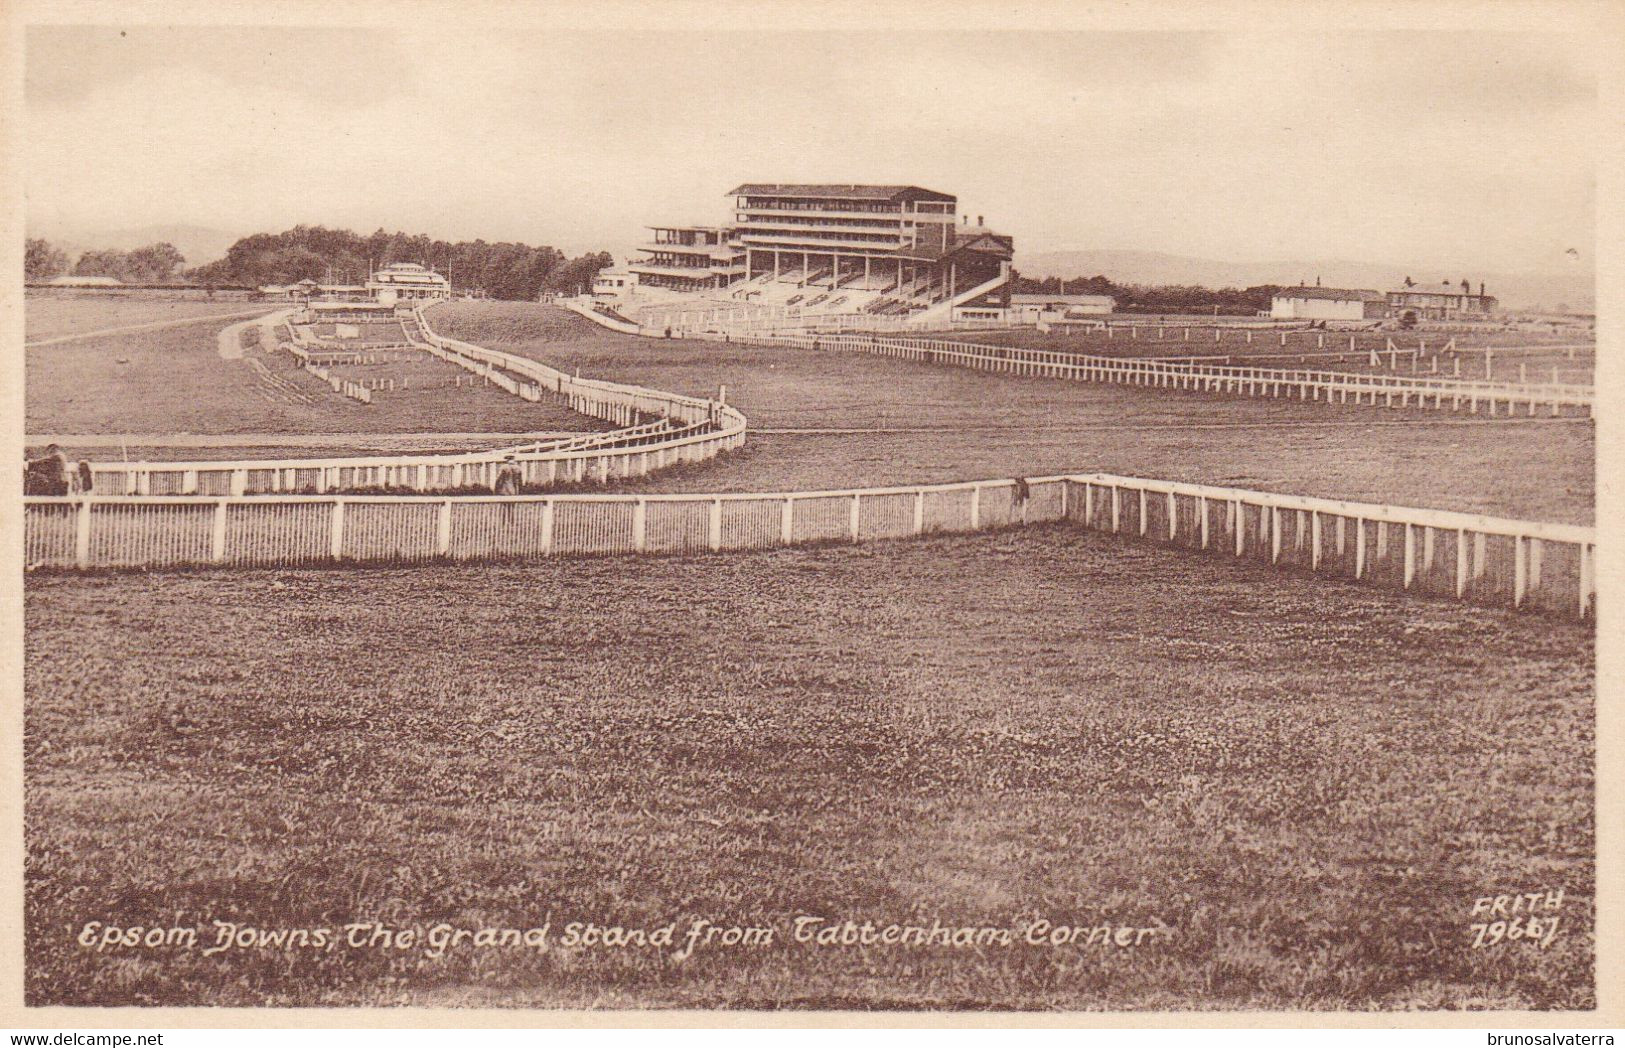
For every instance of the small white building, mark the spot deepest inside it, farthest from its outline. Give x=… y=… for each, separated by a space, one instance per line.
x=616 y=283
x=1327 y=303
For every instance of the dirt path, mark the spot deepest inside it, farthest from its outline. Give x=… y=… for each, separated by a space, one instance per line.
x=231 y=337
x=138 y=327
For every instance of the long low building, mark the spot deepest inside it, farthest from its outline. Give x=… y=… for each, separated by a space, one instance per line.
x=1328 y=303
x=1029 y=309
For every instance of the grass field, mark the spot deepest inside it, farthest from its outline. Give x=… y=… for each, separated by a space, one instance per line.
x=975 y=424
x=174 y=380
x=1300 y=786
x=51 y=317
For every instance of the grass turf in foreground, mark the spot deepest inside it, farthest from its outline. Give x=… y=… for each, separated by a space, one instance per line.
x=1308 y=783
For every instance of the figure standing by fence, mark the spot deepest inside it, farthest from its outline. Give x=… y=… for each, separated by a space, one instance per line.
x=1019 y=495
x=508 y=477
x=47 y=475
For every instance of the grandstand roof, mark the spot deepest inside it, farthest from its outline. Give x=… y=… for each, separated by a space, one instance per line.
x=1336 y=294
x=828 y=191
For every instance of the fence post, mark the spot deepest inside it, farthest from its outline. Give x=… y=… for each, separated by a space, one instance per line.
x=336 y=546
x=975 y=507
x=1117 y=509
x=1275 y=534
x=787 y=522
x=1410 y=555
x=1520 y=570
x=1461 y=563
x=1241 y=527
x=856 y=511
x=1359 y=548
x=1173 y=514
x=1201 y=512
x=81 y=535
x=1314 y=540
x=1586 y=569
x=217 y=538
x=547 y=527
x=442 y=530
x=919 y=509
x=640 y=511
x=715 y=528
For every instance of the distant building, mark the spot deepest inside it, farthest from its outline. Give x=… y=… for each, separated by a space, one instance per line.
x=1029 y=309
x=1444 y=301
x=616 y=282
x=400 y=281
x=1328 y=303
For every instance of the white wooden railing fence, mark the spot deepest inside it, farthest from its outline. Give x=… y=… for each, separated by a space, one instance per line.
x=1324 y=386
x=1549 y=567
x=687 y=429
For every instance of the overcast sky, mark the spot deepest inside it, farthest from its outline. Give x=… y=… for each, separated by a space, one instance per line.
x=1446 y=149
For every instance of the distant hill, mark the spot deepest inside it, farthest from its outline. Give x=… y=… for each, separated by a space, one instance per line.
x=199 y=244
x=1575 y=291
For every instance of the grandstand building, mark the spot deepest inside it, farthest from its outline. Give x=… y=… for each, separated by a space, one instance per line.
x=691 y=258
x=836 y=249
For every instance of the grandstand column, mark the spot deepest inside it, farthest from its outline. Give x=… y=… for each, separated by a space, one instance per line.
x=834 y=271
x=866 y=271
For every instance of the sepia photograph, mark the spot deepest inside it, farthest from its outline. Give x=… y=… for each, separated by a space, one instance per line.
x=654 y=511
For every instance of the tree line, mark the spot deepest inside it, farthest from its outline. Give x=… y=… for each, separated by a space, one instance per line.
x=500 y=270
x=1156 y=298
x=152 y=264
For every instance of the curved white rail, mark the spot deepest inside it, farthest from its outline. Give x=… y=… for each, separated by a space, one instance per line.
x=683 y=429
